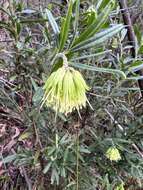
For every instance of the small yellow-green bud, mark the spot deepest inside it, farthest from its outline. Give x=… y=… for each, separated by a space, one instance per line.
x=113 y=154
x=120 y=187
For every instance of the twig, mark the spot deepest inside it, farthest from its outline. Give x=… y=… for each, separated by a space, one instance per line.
x=37 y=141
x=2 y=41
x=26 y=178
x=137 y=149
x=116 y=122
x=131 y=35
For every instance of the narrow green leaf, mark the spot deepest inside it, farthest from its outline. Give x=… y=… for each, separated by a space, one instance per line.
x=90 y=55
x=8 y=159
x=52 y=22
x=8 y=28
x=99 y=3
x=47 y=167
x=55 y=177
x=65 y=27
x=8 y=14
x=76 y=20
x=66 y=153
x=35 y=86
x=76 y=15
x=95 y=26
x=84 y=150
x=102 y=3
x=135 y=78
x=98 y=38
x=98 y=69
x=138 y=65
x=18 y=27
x=38 y=95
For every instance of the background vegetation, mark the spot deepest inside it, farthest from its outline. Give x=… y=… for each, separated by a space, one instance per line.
x=39 y=151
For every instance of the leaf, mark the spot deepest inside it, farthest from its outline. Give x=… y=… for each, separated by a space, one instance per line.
x=90 y=55
x=98 y=38
x=8 y=159
x=65 y=139
x=99 y=3
x=52 y=22
x=136 y=66
x=71 y=184
x=8 y=14
x=102 y=3
x=38 y=95
x=51 y=150
x=66 y=154
x=35 y=86
x=84 y=150
x=98 y=69
x=18 y=27
x=95 y=26
x=135 y=78
x=76 y=20
x=47 y=167
x=8 y=28
x=65 y=27
x=76 y=15
x=54 y=177
x=62 y=117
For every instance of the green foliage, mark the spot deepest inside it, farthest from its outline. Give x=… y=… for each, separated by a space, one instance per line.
x=70 y=152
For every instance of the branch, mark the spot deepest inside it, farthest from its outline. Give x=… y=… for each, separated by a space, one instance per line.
x=131 y=35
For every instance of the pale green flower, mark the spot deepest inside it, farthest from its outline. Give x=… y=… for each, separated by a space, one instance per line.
x=65 y=90
x=113 y=154
x=120 y=187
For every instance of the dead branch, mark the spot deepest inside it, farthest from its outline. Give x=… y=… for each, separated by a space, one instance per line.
x=131 y=35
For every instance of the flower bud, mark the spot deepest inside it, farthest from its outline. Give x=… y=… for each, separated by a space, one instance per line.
x=120 y=187
x=113 y=154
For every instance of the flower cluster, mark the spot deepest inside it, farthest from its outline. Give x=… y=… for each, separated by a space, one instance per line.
x=65 y=90
x=120 y=187
x=113 y=154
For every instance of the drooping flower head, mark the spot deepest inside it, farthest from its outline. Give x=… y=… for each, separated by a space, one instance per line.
x=65 y=90
x=113 y=154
